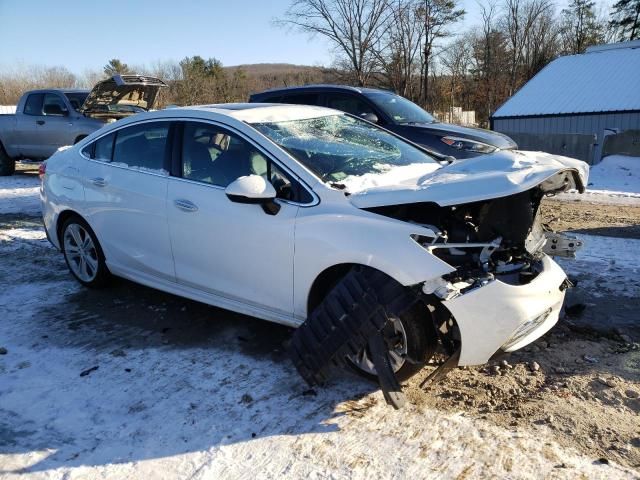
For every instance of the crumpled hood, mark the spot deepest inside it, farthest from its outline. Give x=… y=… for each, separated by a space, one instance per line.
x=132 y=90
x=481 y=178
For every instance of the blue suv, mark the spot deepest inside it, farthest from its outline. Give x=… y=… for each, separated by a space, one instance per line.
x=395 y=113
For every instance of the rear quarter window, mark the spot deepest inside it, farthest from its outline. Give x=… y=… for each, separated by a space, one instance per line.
x=101 y=149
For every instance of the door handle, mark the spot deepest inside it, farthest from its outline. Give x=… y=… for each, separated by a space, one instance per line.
x=40 y=122
x=99 y=182
x=185 y=205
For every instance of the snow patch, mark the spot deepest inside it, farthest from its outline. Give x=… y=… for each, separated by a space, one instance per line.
x=616 y=174
x=20 y=194
x=388 y=176
x=616 y=261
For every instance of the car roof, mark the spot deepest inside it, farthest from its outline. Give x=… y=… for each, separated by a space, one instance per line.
x=59 y=90
x=264 y=112
x=320 y=87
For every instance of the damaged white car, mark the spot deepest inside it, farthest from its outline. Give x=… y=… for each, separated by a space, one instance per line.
x=315 y=219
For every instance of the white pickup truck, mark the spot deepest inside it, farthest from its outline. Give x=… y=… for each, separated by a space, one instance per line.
x=46 y=120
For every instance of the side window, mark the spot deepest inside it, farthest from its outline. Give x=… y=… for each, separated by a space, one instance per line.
x=301 y=99
x=348 y=103
x=104 y=148
x=141 y=146
x=212 y=155
x=101 y=149
x=53 y=105
x=33 y=105
x=273 y=99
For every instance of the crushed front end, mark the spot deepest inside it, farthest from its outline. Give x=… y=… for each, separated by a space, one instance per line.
x=505 y=291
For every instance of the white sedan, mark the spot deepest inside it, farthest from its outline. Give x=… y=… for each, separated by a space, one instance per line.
x=308 y=216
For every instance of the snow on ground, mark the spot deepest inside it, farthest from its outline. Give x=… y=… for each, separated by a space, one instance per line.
x=156 y=410
x=616 y=261
x=164 y=410
x=20 y=194
x=615 y=180
x=616 y=173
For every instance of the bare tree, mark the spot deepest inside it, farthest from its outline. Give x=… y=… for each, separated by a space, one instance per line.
x=519 y=20
x=354 y=27
x=398 y=53
x=455 y=61
x=437 y=17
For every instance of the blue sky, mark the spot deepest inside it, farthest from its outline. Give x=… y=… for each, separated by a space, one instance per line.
x=86 y=34
x=83 y=35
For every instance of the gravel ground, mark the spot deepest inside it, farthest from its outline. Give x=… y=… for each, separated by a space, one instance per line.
x=592 y=218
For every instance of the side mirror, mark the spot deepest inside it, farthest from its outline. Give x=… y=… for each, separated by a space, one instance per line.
x=369 y=117
x=253 y=189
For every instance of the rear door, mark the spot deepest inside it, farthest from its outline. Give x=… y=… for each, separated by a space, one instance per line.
x=125 y=181
x=233 y=250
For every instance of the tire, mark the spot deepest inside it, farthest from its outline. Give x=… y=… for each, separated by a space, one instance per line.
x=418 y=342
x=359 y=306
x=83 y=253
x=80 y=137
x=7 y=164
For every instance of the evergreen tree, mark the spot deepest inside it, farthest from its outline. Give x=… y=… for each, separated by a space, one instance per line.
x=625 y=19
x=116 y=67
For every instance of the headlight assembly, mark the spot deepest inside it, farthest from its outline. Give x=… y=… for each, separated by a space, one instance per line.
x=469 y=145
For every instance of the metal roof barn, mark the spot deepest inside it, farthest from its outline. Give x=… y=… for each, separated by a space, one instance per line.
x=577 y=104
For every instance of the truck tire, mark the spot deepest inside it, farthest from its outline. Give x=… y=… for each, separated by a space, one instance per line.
x=7 y=164
x=358 y=307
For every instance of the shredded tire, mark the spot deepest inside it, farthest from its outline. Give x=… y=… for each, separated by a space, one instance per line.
x=353 y=312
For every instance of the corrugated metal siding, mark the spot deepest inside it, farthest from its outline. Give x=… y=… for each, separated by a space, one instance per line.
x=601 y=81
x=535 y=129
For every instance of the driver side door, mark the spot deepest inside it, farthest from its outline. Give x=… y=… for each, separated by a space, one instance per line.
x=233 y=251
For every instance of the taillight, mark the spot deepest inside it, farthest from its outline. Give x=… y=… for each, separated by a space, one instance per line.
x=42 y=169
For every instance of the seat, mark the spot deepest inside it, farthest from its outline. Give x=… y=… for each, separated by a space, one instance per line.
x=197 y=162
x=232 y=163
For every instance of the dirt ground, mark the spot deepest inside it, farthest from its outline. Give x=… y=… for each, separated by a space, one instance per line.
x=592 y=218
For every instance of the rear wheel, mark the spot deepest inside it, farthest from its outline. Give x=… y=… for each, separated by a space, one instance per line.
x=7 y=164
x=83 y=254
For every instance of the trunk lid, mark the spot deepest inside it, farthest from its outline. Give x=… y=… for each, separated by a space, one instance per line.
x=485 y=177
x=122 y=95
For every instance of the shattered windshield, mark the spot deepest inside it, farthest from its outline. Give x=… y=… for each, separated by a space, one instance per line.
x=338 y=148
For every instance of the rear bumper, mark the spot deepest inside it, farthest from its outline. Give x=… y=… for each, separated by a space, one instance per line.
x=503 y=317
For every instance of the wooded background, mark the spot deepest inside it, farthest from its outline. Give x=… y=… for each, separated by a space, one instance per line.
x=413 y=47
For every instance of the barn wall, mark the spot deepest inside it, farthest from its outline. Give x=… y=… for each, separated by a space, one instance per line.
x=579 y=136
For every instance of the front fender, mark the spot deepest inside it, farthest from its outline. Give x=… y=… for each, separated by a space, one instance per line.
x=325 y=240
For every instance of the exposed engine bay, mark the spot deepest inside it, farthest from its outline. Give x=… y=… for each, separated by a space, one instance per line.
x=500 y=238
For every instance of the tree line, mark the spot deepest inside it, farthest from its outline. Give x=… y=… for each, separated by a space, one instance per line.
x=413 y=47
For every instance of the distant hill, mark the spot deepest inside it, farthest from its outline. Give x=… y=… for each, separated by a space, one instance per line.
x=277 y=68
